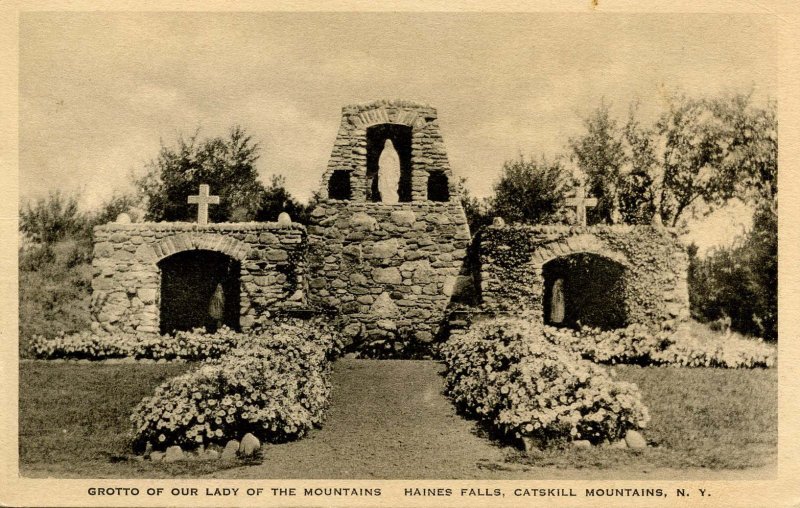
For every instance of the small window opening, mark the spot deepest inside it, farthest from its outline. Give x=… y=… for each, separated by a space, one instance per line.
x=339 y=185
x=438 y=189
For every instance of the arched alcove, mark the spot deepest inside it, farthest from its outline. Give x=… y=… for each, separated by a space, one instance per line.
x=584 y=289
x=401 y=139
x=189 y=281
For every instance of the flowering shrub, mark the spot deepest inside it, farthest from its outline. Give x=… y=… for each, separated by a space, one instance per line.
x=638 y=345
x=187 y=345
x=504 y=372
x=191 y=345
x=729 y=353
x=82 y=345
x=275 y=385
x=634 y=344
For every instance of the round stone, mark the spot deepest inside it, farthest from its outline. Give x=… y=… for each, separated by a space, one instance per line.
x=635 y=440
x=284 y=219
x=249 y=445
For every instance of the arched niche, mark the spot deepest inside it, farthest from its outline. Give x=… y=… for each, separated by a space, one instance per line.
x=401 y=139
x=189 y=281
x=584 y=289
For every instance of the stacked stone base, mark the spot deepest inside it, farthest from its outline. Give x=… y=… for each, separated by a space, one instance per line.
x=390 y=269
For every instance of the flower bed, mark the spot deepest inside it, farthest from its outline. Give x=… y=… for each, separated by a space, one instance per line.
x=507 y=374
x=274 y=385
x=636 y=344
x=729 y=353
x=194 y=345
x=187 y=345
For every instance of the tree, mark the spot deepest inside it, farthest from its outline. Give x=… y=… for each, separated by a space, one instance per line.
x=227 y=165
x=476 y=210
x=276 y=199
x=699 y=153
x=531 y=191
x=52 y=218
x=636 y=186
x=600 y=155
x=713 y=150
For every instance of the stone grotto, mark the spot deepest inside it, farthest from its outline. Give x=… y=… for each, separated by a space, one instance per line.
x=388 y=256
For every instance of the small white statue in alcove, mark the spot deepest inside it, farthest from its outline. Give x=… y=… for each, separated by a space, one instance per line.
x=389 y=173
x=557 y=302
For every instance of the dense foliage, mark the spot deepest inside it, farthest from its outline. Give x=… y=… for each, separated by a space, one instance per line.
x=275 y=384
x=699 y=153
x=507 y=374
x=532 y=192
x=228 y=166
x=739 y=282
x=276 y=199
x=48 y=220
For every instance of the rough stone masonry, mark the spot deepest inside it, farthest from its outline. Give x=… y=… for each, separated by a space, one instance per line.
x=385 y=270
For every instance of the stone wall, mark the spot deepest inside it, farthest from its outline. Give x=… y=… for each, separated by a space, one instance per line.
x=126 y=275
x=427 y=147
x=511 y=260
x=390 y=269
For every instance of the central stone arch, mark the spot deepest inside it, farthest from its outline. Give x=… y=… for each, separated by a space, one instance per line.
x=578 y=244
x=224 y=244
x=199 y=288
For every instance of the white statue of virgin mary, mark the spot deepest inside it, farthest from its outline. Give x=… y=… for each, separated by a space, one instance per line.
x=389 y=173
x=557 y=302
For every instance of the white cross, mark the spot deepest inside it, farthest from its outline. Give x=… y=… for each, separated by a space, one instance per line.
x=202 y=201
x=581 y=202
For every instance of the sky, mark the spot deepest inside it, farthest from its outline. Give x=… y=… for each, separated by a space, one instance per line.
x=100 y=92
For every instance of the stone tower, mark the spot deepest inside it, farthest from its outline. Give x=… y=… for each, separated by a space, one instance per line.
x=388 y=268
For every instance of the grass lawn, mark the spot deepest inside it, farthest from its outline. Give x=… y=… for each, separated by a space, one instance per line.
x=389 y=419
x=73 y=418
x=709 y=418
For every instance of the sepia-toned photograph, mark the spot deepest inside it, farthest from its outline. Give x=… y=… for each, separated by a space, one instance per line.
x=425 y=246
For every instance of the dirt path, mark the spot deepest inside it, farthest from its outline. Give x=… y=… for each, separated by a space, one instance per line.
x=390 y=420
x=387 y=419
